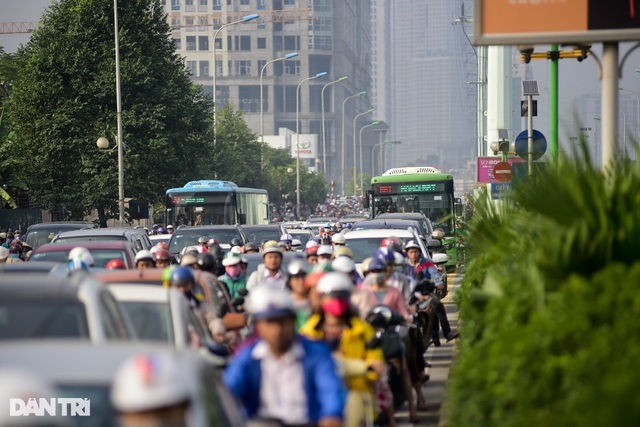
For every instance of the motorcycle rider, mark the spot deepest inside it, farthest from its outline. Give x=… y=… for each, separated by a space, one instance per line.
x=144 y=259
x=233 y=277
x=270 y=271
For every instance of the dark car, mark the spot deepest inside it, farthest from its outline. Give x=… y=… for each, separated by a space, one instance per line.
x=136 y=236
x=258 y=233
x=102 y=252
x=426 y=227
x=188 y=236
x=39 y=234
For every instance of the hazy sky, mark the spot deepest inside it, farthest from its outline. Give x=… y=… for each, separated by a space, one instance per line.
x=576 y=78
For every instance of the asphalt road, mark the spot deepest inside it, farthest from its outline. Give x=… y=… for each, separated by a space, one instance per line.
x=440 y=359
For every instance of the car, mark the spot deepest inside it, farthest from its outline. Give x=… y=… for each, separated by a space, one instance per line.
x=188 y=236
x=44 y=232
x=426 y=227
x=254 y=260
x=157 y=238
x=322 y=220
x=397 y=224
x=365 y=243
x=301 y=234
x=44 y=267
x=136 y=236
x=258 y=233
x=81 y=370
x=353 y=217
x=102 y=251
x=69 y=306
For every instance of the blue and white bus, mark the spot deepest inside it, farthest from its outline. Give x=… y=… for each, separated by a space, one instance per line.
x=216 y=202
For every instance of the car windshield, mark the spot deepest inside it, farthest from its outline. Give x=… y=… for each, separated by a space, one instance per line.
x=258 y=235
x=363 y=247
x=303 y=237
x=52 y=318
x=190 y=238
x=36 y=238
x=102 y=412
x=100 y=256
x=151 y=321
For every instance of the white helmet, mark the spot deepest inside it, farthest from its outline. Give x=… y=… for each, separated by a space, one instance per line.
x=343 y=264
x=144 y=254
x=398 y=259
x=146 y=382
x=325 y=250
x=338 y=238
x=80 y=259
x=4 y=253
x=286 y=238
x=334 y=282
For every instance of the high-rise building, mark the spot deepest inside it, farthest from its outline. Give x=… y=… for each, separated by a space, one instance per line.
x=432 y=117
x=330 y=36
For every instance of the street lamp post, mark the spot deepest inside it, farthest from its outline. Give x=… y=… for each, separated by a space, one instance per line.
x=282 y=58
x=324 y=73
x=119 y=119
x=638 y=107
x=344 y=152
x=244 y=19
x=624 y=130
x=324 y=130
x=361 y=163
x=380 y=133
x=355 y=158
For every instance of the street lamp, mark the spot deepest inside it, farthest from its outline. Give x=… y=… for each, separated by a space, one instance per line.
x=244 y=19
x=361 y=164
x=355 y=164
x=344 y=153
x=324 y=73
x=638 y=106
x=324 y=131
x=380 y=133
x=282 y=58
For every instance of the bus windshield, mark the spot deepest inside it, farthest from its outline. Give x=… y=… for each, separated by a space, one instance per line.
x=437 y=206
x=199 y=208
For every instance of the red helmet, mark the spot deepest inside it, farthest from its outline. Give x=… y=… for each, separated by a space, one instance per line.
x=116 y=263
x=389 y=241
x=162 y=254
x=163 y=245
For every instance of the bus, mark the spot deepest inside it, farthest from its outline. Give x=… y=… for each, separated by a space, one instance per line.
x=210 y=202
x=418 y=190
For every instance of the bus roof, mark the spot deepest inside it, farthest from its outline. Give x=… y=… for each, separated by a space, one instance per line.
x=212 y=186
x=411 y=174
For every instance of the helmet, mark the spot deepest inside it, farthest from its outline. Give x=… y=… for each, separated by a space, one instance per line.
x=80 y=259
x=202 y=239
x=163 y=230
x=325 y=250
x=115 y=264
x=271 y=247
x=296 y=267
x=206 y=261
x=4 y=252
x=212 y=242
x=311 y=280
x=170 y=227
x=399 y=259
x=181 y=276
x=144 y=254
x=188 y=259
x=162 y=254
x=379 y=316
x=385 y=255
x=390 y=240
x=438 y=234
x=286 y=238
x=411 y=244
x=235 y=242
x=269 y=302
x=216 y=251
x=342 y=251
x=230 y=259
x=251 y=247
x=335 y=284
x=151 y=381
x=338 y=239
x=343 y=264
x=373 y=264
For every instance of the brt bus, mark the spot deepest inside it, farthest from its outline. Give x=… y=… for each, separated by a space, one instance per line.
x=216 y=202
x=418 y=189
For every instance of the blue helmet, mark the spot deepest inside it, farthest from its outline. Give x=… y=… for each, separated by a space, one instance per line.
x=163 y=230
x=376 y=264
x=181 y=276
x=385 y=254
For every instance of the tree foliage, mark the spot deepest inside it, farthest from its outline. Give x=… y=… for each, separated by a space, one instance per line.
x=549 y=302
x=64 y=99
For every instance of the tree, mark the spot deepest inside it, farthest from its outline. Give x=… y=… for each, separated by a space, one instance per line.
x=64 y=99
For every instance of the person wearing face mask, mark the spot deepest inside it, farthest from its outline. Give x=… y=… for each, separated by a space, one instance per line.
x=14 y=254
x=233 y=277
x=359 y=358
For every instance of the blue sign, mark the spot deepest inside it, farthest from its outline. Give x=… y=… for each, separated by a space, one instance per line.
x=498 y=189
x=539 y=145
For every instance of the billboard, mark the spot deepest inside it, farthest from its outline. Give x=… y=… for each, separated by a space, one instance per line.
x=308 y=146
x=511 y=22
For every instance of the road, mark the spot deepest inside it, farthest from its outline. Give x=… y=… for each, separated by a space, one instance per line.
x=440 y=359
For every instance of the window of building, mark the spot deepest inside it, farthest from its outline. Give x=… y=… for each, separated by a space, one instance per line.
x=261 y=63
x=188 y=6
x=191 y=67
x=292 y=43
x=262 y=4
x=222 y=95
x=321 y=24
x=203 y=43
x=277 y=43
x=204 y=68
x=175 y=4
x=190 y=23
x=320 y=5
x=262 y=42
x=290 y=99
x=289 y=2
x=249 y=97
x=315 y=98
x=291 y=68
x=277 y=5
x=191 y=42
x=320 y=42
x=202 y=5
x=217 y=4
x=218 y=68
x=218 y=43
x=277 y=26
x=175 y=23
x=245 y=2
x=243 y=68
x=242 y=42
x=177 y=44
x=319 y=64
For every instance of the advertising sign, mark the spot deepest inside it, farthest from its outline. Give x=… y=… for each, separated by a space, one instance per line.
x=510 y=22
x=308 y=146
x=485 y=166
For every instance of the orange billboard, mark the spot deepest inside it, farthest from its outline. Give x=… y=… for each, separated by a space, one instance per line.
x=555 y=21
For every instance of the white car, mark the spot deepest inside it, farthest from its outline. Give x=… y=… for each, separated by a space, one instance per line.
x=365 y=243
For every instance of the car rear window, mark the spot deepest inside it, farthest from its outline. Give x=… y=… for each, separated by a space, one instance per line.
x=180 y=239
x=90 y=239
x=150 y=321
x=100 y=256
x=52 y=318
x=364 y=247
x=257 y=236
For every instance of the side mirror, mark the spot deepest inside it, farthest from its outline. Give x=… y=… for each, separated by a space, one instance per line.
x=440 y=258
x=458 y=207
x=434 y=243
x=365 y=199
